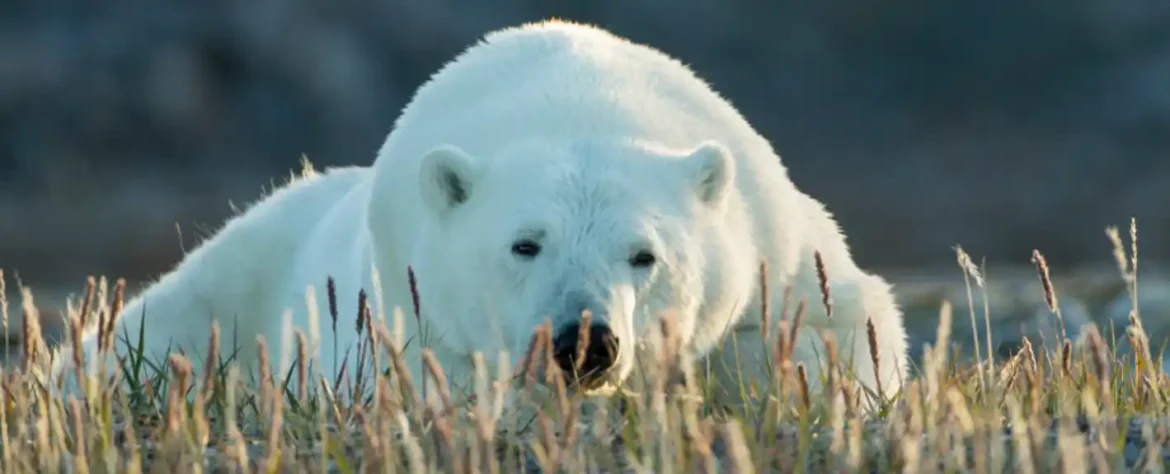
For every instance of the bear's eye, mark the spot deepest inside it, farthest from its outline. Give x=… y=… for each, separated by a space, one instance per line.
x=525 y=249
x=642 y=259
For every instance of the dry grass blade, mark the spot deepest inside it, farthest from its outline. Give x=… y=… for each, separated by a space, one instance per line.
x=536 y=350
x=874 y=355
x=115 y=313
x=31 y=340
x=440 y=378
x=823 y=279
x=1049 y=292
x=802 y=377
x=582 y=339
x=87 y=300
x=3 y=301
x=794 y=332
x=211 y=363
x=1066 y=358
x=765 y=304
x=302 y=364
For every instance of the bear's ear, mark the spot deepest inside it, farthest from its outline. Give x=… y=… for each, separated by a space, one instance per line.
x=711 y=167
x=446 y=177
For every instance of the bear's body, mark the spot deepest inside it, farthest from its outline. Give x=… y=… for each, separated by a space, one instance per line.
x=550 y=169
x=254 y=269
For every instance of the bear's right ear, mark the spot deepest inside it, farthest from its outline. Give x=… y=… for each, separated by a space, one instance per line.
x=446 y=176
x=711 y=168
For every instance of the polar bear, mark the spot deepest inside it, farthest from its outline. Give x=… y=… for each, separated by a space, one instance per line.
x=552 y=168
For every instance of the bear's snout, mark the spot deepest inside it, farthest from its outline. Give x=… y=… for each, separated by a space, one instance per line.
x=585 y=354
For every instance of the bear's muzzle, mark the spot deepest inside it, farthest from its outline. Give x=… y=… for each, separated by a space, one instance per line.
x=585 y=354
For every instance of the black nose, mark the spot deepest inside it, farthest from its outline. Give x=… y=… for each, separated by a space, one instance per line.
x=585 y=365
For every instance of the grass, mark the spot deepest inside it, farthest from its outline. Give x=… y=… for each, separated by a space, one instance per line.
x=1079 y=406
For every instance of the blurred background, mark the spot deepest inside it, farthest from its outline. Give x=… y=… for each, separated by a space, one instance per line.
x=127 y=128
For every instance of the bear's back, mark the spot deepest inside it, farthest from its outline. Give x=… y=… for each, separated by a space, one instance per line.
x=563 y=79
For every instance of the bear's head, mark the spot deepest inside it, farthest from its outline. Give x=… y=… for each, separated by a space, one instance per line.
x=538 y=232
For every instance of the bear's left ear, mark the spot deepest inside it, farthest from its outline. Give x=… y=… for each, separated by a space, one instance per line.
x=711 y=167
x=446 y=178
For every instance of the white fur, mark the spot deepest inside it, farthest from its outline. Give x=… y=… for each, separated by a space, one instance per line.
x=253 y=270
x=589 y=144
